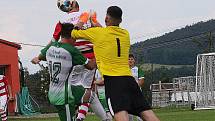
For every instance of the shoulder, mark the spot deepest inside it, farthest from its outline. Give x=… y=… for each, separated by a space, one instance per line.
x=53 y=43
x=125 y=31
x=69 y=47
x=118 y=29
x=96 y=28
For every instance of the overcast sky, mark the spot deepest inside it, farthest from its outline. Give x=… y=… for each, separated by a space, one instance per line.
x=33 y=21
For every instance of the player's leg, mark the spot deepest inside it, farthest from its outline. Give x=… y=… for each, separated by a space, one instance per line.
x=66 y=112
x=3 y=107
x=3 y=115
x=84 y=107
x=149 y=115
x=82 y=111
x=140 y=105
x=76 y=78
x=116 y=97
x=110 y=117
x=139 y=119
x=131 y=117
x=102 y=100
x=121 y=116
x=78 y=93
x=87 y=80
x=98 y=108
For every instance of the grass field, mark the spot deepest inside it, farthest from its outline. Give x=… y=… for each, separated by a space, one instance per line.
x=163 y=114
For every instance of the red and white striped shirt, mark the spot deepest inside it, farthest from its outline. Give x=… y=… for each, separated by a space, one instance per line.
x=3 y=85
x=84 y=46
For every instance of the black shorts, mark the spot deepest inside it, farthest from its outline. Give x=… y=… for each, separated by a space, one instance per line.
x=124 y=94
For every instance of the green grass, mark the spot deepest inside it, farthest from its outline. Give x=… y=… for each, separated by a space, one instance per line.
x=185 y=115
x=89 y=118
x=163 y=114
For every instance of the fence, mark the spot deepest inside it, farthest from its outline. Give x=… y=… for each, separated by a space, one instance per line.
x=181 y=92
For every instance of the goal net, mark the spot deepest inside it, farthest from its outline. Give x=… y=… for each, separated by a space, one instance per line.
x=205 y=81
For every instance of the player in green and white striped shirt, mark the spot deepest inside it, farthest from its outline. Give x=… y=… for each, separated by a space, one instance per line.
x=61 y=57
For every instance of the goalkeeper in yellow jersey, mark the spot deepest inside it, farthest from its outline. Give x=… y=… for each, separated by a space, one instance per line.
x=111 y=48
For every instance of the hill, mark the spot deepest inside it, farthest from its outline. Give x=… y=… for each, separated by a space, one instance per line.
x=179 y=47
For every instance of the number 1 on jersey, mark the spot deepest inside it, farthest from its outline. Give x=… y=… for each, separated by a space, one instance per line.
x=118 y=47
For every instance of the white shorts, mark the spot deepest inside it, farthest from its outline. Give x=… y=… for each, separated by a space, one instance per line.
x=3 y=102
x=82 y=76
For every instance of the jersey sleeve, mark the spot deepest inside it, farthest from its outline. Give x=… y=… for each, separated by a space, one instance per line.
x=44 y=50
x=88 y=34
x=56 y=34
x=140 y=73
x=78 y=58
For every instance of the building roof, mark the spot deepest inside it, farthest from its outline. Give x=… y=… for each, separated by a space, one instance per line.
x=10 y=44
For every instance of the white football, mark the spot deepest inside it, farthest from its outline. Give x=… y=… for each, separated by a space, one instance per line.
x=64 y=5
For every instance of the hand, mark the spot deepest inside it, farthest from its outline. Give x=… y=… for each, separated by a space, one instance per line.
x=93 y=18
x=11 y=98
x=99 y=82
x=35 y=60
x=96 y=82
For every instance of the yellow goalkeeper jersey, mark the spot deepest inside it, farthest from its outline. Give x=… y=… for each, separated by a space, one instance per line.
x=111 y=48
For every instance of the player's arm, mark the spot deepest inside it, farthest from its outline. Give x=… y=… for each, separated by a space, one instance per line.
x=42 y=55
x=94 y=21
x=99 y=82
x=84 y=17
x=37 y=59
x=8 y=88
x=10 y=93
x=98 y=79
x=88 y=34
x=140 y=77
x=90 y=65
x=141 y=82
x=56 y=34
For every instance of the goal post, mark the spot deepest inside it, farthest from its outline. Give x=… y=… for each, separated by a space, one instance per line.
x=205 y=81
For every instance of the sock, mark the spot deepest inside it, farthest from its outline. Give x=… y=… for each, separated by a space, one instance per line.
x=3 y=116
x=82 y=111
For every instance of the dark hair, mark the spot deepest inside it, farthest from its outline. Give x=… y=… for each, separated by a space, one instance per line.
x=75 y=4
x=115 y=12
x=66 y=30
x=131 y=56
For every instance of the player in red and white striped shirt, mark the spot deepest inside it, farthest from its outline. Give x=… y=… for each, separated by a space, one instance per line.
x=5 y=92
x=81 y=20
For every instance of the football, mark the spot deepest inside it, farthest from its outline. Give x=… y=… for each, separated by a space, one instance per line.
x=65 y=5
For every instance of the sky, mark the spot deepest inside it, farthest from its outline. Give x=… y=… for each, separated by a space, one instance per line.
x=33 y=21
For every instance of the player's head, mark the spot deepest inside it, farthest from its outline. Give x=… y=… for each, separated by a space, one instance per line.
x=113 y=16
x=131 y=60
x=75 y=5
x=66 y=31
x=68 y=5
